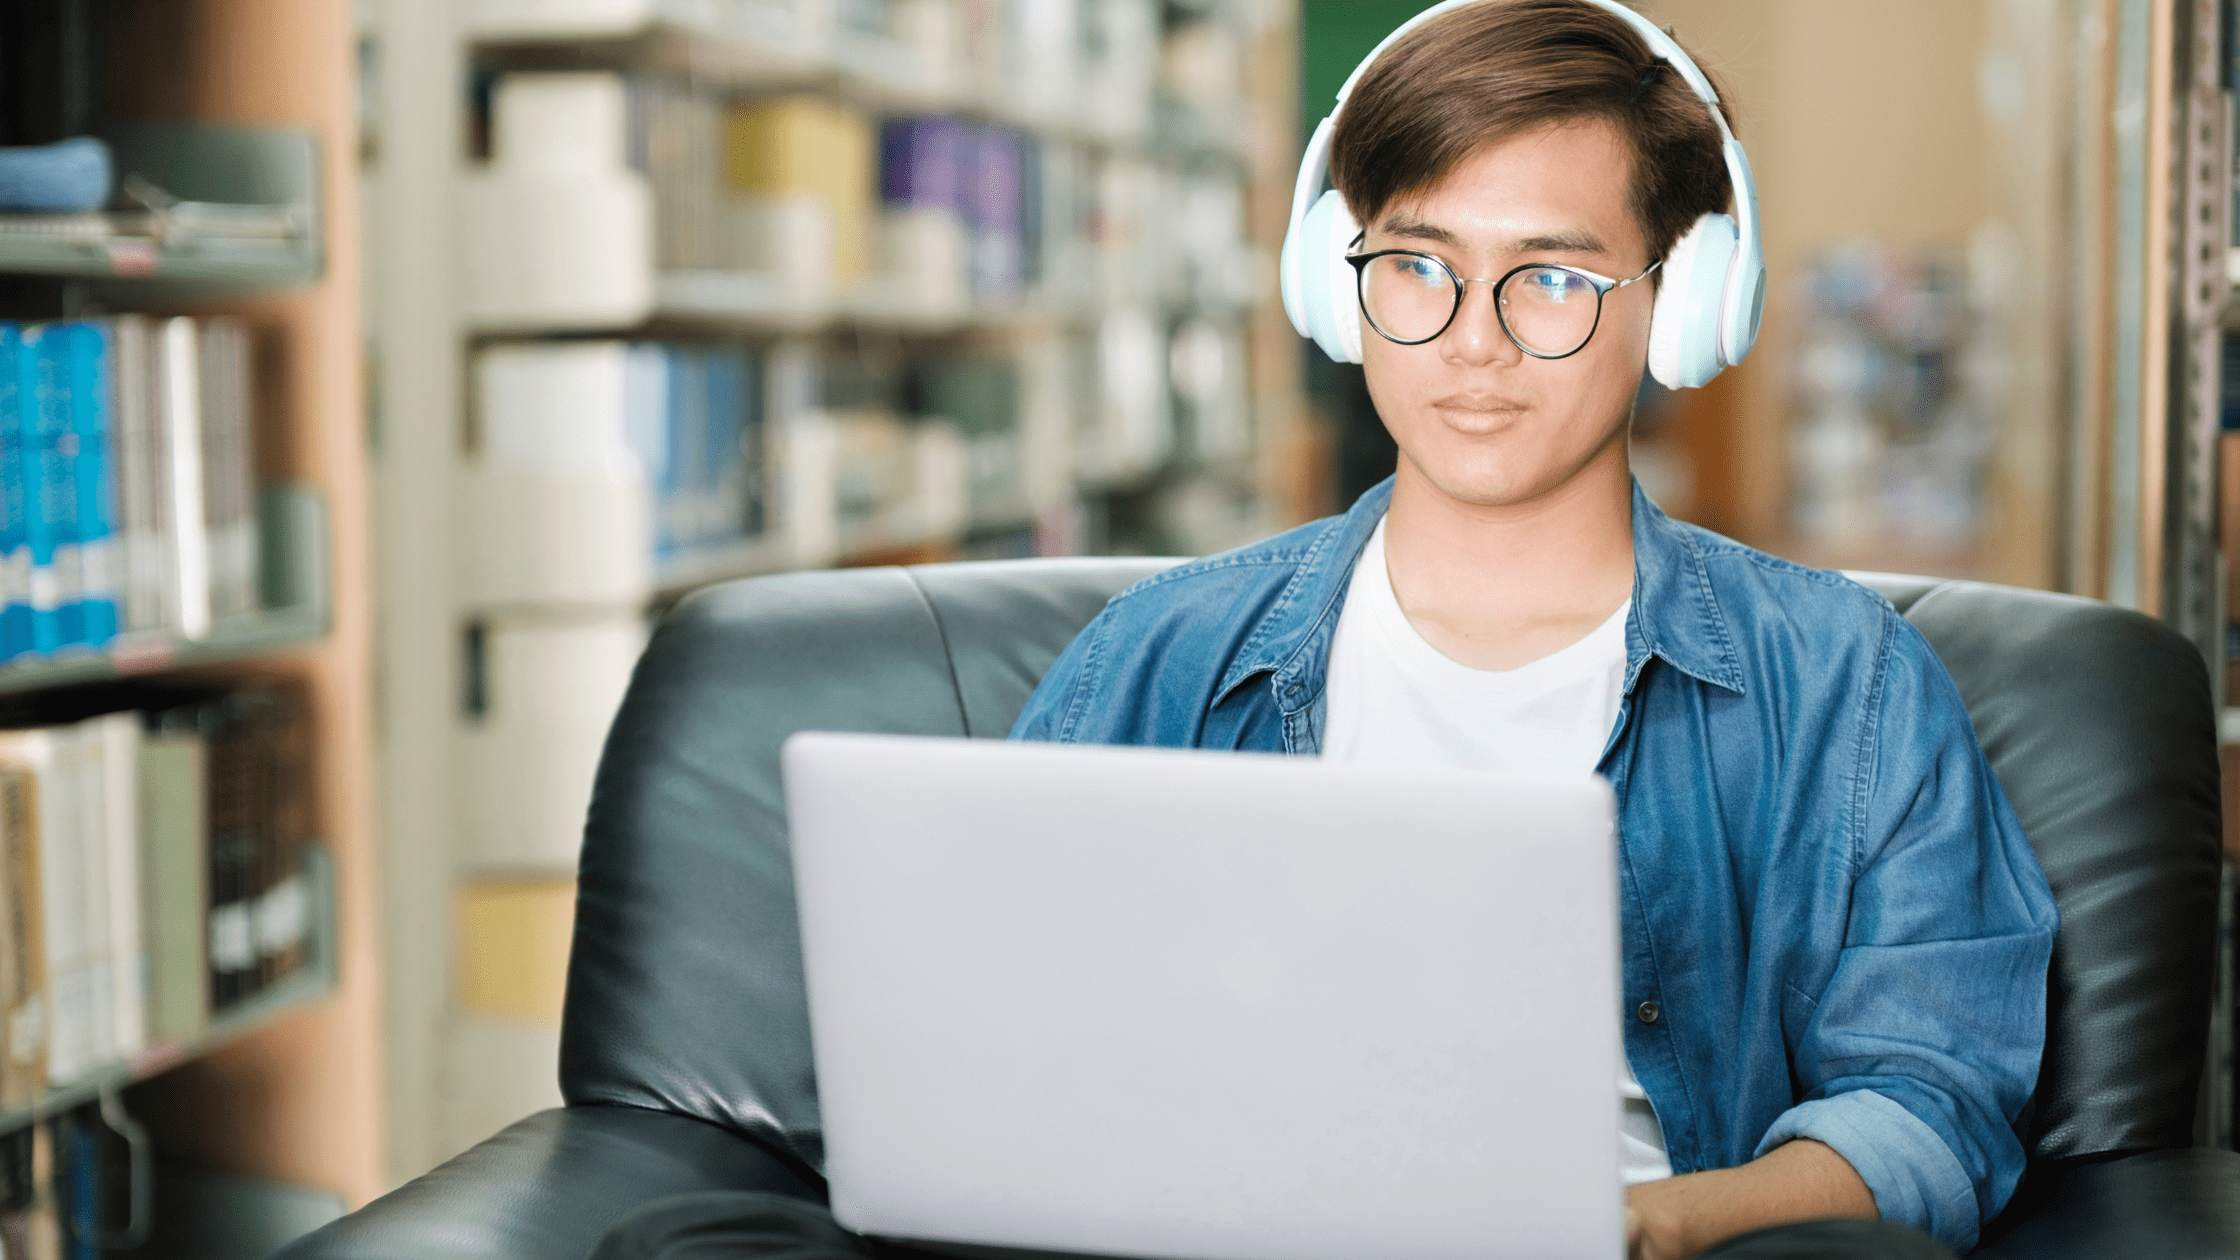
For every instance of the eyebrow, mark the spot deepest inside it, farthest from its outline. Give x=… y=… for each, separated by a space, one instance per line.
x=1562 y=242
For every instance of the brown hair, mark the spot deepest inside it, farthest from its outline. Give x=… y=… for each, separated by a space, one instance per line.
x=1492 y=70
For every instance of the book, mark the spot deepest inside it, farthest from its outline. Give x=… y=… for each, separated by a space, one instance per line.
x=229 y=468
x=30 y=1227
x=258 y=824
x=15 y=539
x=89 y=557
x=135 y=455
x=71 y=1046
x=800 y=172
x=23 y=1002
x=175 y=861
x=110 y=753
x=183 y=523
x=50 y=477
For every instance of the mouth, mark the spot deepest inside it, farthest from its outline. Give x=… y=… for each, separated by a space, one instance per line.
x=1478 y=413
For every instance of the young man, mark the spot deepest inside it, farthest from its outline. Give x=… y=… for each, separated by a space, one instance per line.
x=1835 y=935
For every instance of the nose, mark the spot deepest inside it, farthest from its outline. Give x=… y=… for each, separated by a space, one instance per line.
x=1475 y=338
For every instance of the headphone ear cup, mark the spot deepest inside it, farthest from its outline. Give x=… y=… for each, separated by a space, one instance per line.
x=1684 y=328
x=1325 y=280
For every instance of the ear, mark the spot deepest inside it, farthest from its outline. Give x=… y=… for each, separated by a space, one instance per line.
x=1685 y=326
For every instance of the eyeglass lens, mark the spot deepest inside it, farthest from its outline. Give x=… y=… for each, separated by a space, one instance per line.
x=1548 y=311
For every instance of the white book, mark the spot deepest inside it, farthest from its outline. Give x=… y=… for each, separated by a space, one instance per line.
x=78 y=772
x=556 y=496
x=188 y=567
x=75 y=1036
x=559 y=122
x=111 y=746
x=228 y=474
x=131 y=458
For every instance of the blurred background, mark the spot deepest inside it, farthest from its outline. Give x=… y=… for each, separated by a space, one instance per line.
x=380 y=371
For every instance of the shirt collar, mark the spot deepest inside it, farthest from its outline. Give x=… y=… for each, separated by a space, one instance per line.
x=1675 y=615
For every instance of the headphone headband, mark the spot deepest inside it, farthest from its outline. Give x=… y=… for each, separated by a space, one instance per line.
x=1661 y=46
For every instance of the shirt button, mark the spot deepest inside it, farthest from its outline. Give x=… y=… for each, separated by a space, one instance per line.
x=1291 y=690
x=1648 y=1012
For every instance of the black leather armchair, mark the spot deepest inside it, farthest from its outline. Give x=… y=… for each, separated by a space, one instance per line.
x=685 y=1056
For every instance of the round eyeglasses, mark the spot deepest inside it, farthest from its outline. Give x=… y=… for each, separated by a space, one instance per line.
x=1550 y=311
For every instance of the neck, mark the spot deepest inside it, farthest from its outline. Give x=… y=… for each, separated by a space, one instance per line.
x=1495 y=586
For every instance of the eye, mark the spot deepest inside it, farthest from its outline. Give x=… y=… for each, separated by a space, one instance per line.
x=1553 y=285
x=1420 y=269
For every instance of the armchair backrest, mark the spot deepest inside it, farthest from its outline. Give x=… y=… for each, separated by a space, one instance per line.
x=684 y=987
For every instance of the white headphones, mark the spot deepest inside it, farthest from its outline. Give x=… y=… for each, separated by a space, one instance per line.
x=1714 y=284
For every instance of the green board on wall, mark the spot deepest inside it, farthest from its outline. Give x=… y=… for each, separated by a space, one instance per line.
x=1337 y=34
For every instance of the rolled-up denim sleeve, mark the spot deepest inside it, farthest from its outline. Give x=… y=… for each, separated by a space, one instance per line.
x=1922 y=1047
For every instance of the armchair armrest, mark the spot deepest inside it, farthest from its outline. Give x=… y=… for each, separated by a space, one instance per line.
x=2156 y=1205
x=549 y=1186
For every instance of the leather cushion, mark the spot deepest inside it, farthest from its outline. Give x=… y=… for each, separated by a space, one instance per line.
x=684 y=985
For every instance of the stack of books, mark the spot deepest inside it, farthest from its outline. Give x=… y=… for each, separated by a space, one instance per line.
x=127 y=482
x=600 y=462
x=150 y=880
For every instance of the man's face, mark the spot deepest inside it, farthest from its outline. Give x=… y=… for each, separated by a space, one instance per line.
x=1477 y=418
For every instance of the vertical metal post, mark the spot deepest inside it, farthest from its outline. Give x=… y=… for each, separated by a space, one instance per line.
x=2192 y=575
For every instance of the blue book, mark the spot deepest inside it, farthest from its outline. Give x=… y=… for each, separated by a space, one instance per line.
x=91 y=416
x=15 y=554
x=50 y=474
x=677 y=445
x=725 y=489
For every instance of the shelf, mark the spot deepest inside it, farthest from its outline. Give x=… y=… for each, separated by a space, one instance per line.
x=293 y=547
x=248 y=218
x=314 y=980
x=879 y=75
x=756 y=300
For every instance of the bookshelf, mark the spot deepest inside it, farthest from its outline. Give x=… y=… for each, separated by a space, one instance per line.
x=1101 y=380
x=250 y=101
x=313 y=983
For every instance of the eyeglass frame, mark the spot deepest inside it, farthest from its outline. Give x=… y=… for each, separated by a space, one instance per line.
x=1603 y=286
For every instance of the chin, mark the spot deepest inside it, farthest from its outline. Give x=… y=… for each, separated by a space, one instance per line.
x=1488 y=487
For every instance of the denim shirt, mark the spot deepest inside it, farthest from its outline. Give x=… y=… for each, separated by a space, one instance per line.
x=1832 y=926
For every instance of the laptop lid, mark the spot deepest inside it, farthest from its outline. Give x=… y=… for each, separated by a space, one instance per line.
x=1209 y=1006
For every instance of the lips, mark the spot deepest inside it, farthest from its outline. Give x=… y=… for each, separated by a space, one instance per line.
x=1478 y=413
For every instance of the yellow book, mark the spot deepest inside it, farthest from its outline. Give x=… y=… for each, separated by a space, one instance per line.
x=802 y=146
x=514 y=935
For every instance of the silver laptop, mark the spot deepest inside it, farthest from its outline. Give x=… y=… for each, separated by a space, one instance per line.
x=1209 y=1006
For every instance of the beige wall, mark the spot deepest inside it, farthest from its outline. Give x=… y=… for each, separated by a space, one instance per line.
x=1860 y=120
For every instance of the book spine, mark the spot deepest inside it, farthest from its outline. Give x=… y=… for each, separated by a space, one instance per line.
x=23 y=1015
x=113 y=744
x=129 y=384
x=225 y=474
x=49 y=474
x=189 y=562
x=232 y=786
x=175 y=862
x=79 y=774
x=15 y=505
x=61 y=903
x=754 y=447
x=241 y=465
x=96 y=494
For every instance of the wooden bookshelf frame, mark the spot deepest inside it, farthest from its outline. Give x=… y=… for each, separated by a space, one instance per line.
x=295 y=1094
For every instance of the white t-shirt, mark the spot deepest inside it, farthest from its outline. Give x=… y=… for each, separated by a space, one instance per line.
x=1394 y=698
